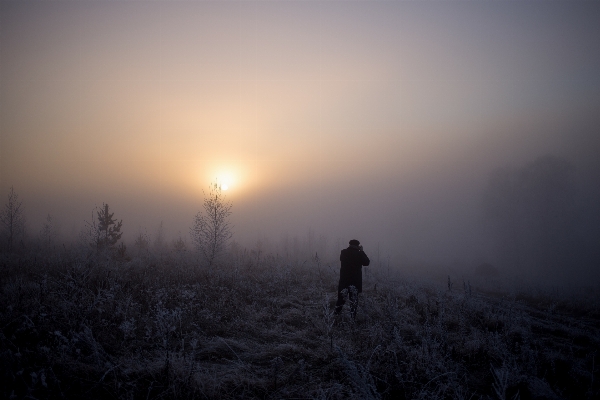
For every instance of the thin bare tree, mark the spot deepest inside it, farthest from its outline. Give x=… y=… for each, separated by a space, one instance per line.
x=211 y=230
x=48 y=233
x=12 y=219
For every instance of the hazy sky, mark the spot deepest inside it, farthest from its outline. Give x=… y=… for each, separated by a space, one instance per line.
x=378 y=120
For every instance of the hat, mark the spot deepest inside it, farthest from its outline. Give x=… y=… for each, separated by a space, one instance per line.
x=354 y=242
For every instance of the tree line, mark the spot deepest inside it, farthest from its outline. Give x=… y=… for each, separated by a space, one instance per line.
x=210 y=232
x=533 y=215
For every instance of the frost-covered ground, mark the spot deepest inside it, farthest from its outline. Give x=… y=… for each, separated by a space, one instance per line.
x=159 y=327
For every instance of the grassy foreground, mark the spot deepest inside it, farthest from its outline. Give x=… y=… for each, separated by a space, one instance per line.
x=149 y=328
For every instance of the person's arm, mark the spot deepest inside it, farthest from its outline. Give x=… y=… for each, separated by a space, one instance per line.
x=364 y=259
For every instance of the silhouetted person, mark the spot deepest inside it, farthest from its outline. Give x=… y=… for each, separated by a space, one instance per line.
x=352 y=259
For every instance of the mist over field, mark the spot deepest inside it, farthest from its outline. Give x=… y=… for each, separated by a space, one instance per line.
x=434 y=216
x=178 y=178
x=378 y=121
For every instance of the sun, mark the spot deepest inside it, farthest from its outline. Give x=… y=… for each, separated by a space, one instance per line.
x=226 y=177
x=225 y=180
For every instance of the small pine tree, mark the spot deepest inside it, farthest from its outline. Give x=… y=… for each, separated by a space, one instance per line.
x=142 y=243
x=179 y=244
x=109 y=230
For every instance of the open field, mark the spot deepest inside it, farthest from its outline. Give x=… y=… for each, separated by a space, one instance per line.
x=160 y=327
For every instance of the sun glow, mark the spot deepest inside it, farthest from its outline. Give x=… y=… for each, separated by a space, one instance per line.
x=225 y=178
x=234 y=177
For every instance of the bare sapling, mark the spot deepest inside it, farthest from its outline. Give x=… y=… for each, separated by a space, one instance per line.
x=12 y=220
x=211 y=230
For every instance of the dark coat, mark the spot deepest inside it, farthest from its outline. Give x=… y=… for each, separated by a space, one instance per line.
x=352 y=260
